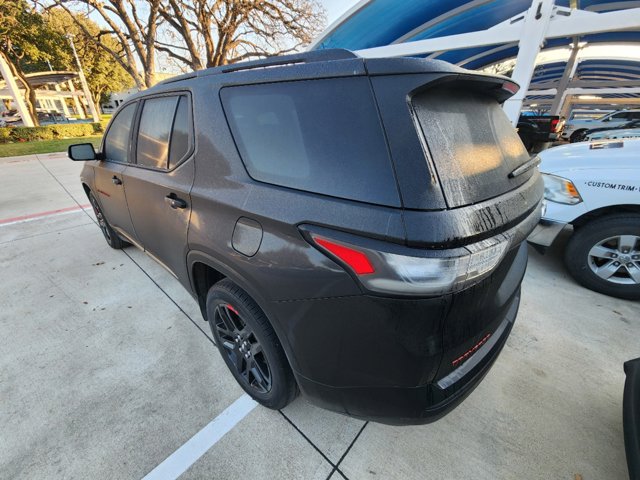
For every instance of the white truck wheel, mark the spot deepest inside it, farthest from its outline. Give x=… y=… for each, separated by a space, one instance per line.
x=604 y=255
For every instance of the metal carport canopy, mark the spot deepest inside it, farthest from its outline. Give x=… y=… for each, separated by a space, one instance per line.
x=478 y=33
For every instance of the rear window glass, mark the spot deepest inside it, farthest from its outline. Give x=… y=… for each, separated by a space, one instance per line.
x=472 y=143
x=321 y=136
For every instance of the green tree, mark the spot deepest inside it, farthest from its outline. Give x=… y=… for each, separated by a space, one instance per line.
x=25 y=37
x=104 y=76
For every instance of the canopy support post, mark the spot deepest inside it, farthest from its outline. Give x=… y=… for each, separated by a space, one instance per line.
x=76 y=101
x=25 y=115
x=568 y=74
x=532 y=37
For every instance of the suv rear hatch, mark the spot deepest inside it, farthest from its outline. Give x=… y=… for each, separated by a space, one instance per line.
x=462 y=171
x=489 y=188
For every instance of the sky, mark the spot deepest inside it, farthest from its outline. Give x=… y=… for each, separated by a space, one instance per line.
x=335 y=8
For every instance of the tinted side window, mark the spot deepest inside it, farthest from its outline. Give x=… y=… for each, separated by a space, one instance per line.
x=116 y=143
x=634 y=115
x=321 y=136
x=619 y=116
x=154 y=131
x=180 y=140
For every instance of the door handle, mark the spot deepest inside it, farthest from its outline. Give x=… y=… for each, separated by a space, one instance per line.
x=116 y=180
x=175 y=202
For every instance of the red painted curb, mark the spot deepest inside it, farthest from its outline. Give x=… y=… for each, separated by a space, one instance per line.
x=43 y=214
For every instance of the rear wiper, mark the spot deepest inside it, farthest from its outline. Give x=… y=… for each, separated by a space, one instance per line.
x=525 y=167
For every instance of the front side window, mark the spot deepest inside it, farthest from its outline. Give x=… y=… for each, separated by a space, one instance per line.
x=321 y=136
x=155 y=131
x=116 y=142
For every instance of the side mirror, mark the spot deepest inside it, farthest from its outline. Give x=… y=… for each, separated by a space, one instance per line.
x=82 y=152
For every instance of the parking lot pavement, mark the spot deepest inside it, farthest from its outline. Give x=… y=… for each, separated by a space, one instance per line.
x=107 y=369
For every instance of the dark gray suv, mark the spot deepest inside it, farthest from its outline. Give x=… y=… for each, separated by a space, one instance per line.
x=351 y=228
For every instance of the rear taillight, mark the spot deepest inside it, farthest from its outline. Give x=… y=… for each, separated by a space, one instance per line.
x=554 y=125
x=511 y=87
x=422 y=272
x=357 y=261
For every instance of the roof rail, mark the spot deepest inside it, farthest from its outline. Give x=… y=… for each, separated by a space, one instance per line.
x=304 y=57
x=178 y=78
x=277 y=61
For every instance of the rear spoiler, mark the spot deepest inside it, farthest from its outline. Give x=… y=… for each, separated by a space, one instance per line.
x=497 y=86
x=500 y=88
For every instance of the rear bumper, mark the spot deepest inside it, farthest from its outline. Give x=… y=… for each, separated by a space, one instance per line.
x=545 y=233
x=631 y=417
x=544 y=137
x=401 y=360
x=413 y=405
x=566 y=134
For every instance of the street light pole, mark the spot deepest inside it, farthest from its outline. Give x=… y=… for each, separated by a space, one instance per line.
x=83 y=81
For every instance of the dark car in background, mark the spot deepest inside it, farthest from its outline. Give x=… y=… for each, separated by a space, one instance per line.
x=537 y=131
x=351 y=228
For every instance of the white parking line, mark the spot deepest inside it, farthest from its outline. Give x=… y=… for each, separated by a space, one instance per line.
x=179 y=461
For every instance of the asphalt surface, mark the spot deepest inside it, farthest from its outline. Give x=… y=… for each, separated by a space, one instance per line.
x=107 y=370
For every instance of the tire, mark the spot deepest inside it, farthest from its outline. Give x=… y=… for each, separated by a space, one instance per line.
x=110 y=235
x=577 y=136
x=604 y=256
x=528 y=144
x=249 y=346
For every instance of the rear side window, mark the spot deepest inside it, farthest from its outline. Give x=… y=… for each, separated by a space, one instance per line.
x=165 y=133
x=472 y=143
x=321 y=136
x=116 y=142
x=619 y=116
x=180 y=141
x=155 y=131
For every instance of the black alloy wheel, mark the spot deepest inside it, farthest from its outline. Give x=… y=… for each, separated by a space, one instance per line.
x=242 y=348
x=109 y=233
x=249 y=345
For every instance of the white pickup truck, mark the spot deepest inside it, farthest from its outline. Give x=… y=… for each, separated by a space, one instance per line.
x=593 y=188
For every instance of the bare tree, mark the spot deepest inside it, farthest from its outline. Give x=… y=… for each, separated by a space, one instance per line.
x=219 y=32
x=133 y=23
x=195 y=34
